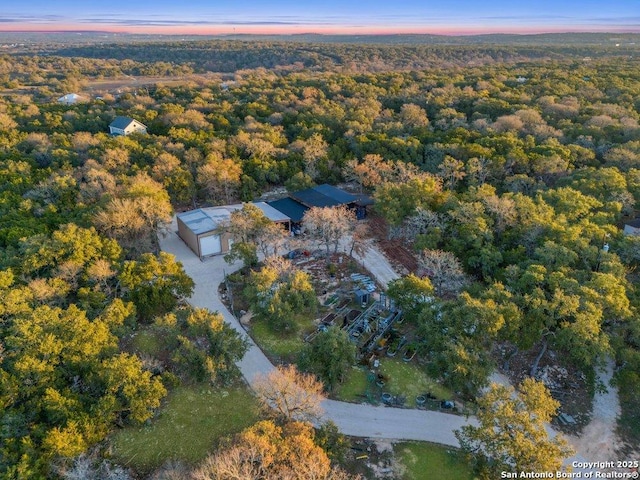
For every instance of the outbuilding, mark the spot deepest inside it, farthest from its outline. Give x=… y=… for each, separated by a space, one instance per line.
x=201 y=231
x=321 y=196
x=71 y=99
x=126 y=126
x=324 y=196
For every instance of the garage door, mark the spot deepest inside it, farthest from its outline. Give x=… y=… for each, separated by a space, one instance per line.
x=210 y=245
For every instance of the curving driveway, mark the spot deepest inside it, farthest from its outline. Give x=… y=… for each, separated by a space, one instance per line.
x=360 y=420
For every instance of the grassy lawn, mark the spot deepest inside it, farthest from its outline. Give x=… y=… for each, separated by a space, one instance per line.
x=410 y=380
x=354 y=386
x=277 y=344
x=403 y=379
x=193 y=418
x=424 y=461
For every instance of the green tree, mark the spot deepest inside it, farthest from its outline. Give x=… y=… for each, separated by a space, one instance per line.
x=411 y=293
x=207 y=348
x=277 y=293
x=246 y=226
x=329 y=356
x=130 y=391
x=396 y=201
x=155 y=284
x=511 y=434
x=457 y=338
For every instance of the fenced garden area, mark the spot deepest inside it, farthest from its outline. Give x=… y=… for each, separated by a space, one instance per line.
x=338 y=296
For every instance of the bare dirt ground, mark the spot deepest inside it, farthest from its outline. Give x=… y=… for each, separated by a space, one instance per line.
x=565 y=382
x=598 y=440
x=396 y=250
x=595 y=439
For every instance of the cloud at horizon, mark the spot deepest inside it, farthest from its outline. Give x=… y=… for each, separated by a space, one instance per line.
x=332 y=16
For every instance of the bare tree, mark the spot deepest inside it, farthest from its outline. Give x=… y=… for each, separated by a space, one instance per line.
x=240 y=462
x=141 y=212
x=444 y=270
x=420 y=223
x=269 y=451
x=290 y=394
x=271 y=239
x=89 y=467
x=328 y=225
x=452 y=171
x=313 y=149
x=220 y=177
x=360 y=239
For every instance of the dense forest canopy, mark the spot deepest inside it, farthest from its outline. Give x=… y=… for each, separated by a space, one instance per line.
x=515 y=164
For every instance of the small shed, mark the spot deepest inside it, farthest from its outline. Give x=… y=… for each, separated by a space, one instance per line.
x=362 y=296
x=200 y=231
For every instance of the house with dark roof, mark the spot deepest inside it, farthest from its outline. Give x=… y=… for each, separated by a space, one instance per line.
x=204 y=229
x=323 y=196
x=126 y=126
x=320 y=196
x=288 y=206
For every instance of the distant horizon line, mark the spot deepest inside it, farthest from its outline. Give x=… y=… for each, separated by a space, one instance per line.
x=327 y=34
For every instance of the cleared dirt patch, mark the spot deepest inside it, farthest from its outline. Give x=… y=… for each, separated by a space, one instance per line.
x=396 y=250
x=114 y=84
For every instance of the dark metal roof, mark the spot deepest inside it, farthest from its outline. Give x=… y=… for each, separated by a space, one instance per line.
x=312 y=198
x=272 y=213
x=323 y=196
x=363 y=200
x=292 y=209
x=335 y=193
x=121 y=122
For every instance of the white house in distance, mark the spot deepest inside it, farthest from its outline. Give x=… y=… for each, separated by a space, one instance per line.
x=71 y=99
x=632 y=227
x=126 y=126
